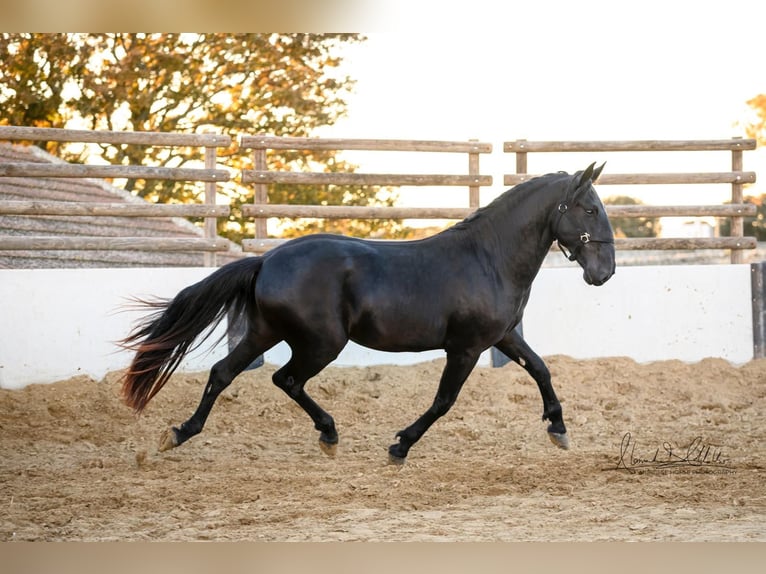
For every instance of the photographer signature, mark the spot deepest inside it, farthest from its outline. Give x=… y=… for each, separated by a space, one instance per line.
x=667 y=456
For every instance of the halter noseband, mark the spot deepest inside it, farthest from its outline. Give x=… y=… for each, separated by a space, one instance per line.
x=585 y=237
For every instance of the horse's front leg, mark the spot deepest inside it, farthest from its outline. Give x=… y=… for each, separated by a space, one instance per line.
x=516 y=348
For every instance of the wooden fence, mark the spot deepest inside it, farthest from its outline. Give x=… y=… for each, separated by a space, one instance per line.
x=737 y=210
x=209 y=244
x=260 y=177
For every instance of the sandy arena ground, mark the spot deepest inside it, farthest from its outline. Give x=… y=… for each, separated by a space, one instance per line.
x=77 y=465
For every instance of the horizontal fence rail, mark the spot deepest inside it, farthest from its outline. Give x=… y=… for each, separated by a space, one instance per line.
x=676 y=243
x=377 y=179
x=524 y=146
x=739 y=177
x=111 y=171
x=383 y=212
x=20 y=133
x=629 y=244
x=355 y=212
x=113 y=209
x=288 y=143
x=736 y=178
x=82 y=243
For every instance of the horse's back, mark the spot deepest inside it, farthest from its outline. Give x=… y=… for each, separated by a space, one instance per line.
x=328 y=264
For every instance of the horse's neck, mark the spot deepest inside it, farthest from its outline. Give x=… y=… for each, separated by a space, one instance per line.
x=522 y=230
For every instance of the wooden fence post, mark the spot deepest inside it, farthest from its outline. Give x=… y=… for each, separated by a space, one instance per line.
x=211 y=227
x=261 y=195
x=474 y=196
x=521 y=158
x=737 y=223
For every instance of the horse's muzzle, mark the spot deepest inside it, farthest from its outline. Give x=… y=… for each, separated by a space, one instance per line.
x=597 y=281
x=598 y=262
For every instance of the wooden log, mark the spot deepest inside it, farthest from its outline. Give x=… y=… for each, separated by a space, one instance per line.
x=288 y=143
x=210 y=223
x=383 y=212
x=73 y=208
x=260 y=192
x=99 y=136
x=685 y=243
x=70 y=170
x=737 y=189
x=653 y=178
x=524 y=146
x=626 y=244
x=354 y=212
x=474 y=191
x=303 y=178
x=36 y=243
x=112 y=209
x=729 y=210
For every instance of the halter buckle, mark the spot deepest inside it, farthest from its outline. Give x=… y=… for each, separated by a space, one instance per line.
x=585 y=237
x=563 y=207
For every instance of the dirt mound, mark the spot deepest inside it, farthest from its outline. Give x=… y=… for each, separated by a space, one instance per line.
x=75 y=464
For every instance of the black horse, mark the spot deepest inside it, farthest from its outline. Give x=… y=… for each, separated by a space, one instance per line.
x=462 y=290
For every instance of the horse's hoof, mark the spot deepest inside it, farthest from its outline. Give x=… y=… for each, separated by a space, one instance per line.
x=396 y=460
x=396 y=454
x=561 y=440
x=168 y=440
x=330 y=449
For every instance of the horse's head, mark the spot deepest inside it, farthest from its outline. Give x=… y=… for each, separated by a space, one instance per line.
x=582 y=227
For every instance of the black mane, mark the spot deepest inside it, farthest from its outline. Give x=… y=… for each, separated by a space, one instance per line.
x=510 y=199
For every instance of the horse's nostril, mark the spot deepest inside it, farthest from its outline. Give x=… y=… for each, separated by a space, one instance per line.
x=607 y=277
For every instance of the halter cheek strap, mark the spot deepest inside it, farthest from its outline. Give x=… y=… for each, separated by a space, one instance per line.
x=585 y=237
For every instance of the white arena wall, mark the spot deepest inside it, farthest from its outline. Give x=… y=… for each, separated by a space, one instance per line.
x=55 y=324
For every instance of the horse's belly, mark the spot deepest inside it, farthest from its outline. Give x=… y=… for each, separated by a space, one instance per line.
x=398 y=345
x=392 y=331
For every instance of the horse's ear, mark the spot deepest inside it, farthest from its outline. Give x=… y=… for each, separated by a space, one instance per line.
x=586 y=174
x=579 y=181
x=597 y=171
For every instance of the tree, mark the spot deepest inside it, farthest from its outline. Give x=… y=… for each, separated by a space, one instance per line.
x=632 y=226
x=34 y=71
x=753 y=226
x=280 y=84
x=757 y=129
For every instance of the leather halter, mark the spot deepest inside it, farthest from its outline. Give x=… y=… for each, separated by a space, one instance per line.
x=585 y=236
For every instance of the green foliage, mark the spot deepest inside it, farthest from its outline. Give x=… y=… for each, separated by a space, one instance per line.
x=277 y=84
x=632 y=226
x=757 y=129
x=34 y=71
x=753 y=226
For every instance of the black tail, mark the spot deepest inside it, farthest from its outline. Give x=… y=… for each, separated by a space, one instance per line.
x=163 y=338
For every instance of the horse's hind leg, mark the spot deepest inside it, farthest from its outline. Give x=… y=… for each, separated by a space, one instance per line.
x=517 y=349
x=456 y=371
x=306 y=362
x=221 y=376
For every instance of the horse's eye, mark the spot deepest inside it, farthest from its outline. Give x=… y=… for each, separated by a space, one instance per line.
x=590 y=211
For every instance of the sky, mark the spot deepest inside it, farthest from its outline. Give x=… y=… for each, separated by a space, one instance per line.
x=544 y=70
